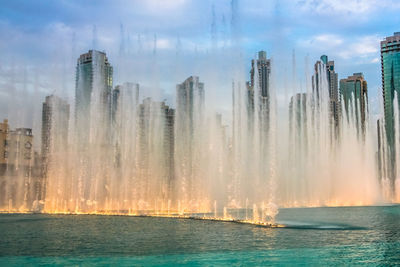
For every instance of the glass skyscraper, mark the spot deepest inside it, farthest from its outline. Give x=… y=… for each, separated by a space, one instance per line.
x=93 y=97
x=390 y=60
x=353 y=91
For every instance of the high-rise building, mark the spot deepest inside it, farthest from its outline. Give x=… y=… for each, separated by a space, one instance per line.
x=4 y=142
x=263 y=67
x=21 y=151
x=156 y=145
x=125 y=102
x=298 y=112
x=259 y=87
x=189 y=129
x=4 y=148
x=125 y=97
x=19 y=166
x=55 y=121
x=190 y=103
x=93 y=97
x=353 y=91
x=390 y=61
x=16 y=162
x=332 y=84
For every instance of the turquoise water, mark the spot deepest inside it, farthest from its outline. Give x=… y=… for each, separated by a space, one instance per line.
x=315 y=236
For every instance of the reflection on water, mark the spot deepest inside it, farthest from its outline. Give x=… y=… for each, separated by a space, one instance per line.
x=313 y=235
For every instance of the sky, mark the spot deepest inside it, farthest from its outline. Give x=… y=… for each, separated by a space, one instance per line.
x=159 y=43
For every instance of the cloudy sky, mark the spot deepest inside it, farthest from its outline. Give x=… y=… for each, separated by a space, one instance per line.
x=158 y=43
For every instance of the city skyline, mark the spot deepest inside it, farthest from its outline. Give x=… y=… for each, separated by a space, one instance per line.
x=353 y=43
x=200 y=133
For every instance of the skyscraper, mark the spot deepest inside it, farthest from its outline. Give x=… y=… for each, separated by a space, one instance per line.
x=20 y=161
x=259 y=87
x=55 y=121
x=190 y=103
x=125 y=102
x=4 y=142
x=263 y=67
x=189 y=127
x=93 y=131
x=93 y=97
x=332 y=84
x=155 y=149
x=353 y=91
x=390 y=61
x=298 y=113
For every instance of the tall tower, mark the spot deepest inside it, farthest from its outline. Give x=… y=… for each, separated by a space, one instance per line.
x=390 y=60
x=332 y=80
x=189 y=122
x=263 y=66
x=155 y=150
x=93 y=97
x=55 y=120
x=260 y=74
x=353 y=91
x=125 y=102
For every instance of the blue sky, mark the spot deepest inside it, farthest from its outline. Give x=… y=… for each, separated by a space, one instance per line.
x=41 y=40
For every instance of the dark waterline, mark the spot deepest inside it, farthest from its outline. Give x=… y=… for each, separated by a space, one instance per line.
x=346 y=235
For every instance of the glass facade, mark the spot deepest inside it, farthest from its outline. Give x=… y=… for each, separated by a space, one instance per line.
x=353 y=92
x=92 y=94
x=390 y=60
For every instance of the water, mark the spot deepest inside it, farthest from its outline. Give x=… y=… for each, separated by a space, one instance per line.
x=314 y=236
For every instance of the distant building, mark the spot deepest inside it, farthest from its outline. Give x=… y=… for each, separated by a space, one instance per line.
x=19 y=167
x=125 y=98
x=4 y=143
x=55 y=121
x=190 y=103
x=21 y=149
x=390 y=61
x=353 y=92
x=189 y=128
x=4 y=150
x=260 y=76
x=298 y=113
x=263 y=67
x=332 y=84
x=93 y=98
x=125 y=103
x=156 y=147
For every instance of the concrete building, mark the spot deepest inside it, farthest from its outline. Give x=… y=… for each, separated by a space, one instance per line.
x=354 y=93
x=4 y=142
x=19 y=168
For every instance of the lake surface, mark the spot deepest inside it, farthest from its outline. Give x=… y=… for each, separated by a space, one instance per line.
x=315 y=236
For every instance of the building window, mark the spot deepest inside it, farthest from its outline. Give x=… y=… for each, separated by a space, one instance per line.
x=5 y=142
x=5 y=154
x=28 y=145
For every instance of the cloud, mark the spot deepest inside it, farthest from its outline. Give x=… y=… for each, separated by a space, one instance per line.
x=365 y=46
x=164 y=5
x=348 y=7
x=346 y=47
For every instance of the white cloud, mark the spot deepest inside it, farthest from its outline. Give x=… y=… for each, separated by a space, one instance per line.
x=345 y=47
x=348 y=7
x=322 y=41
x=366 y=46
